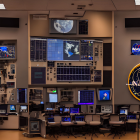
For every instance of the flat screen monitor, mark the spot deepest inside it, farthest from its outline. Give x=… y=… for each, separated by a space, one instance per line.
x=87 y=50
x=66 y=119
x=74 y=110
x=85 y=97
x=60 y=26
x=104 y=94
x=23 y=108
x=12 y=108
x=66 y=110
x=53 y=98
x=7 y=52
x=61 y=110
x=41 y=102
x=124 y=111
x=38 y=75
x=135 y=47
x=22 y=95
x=61 y=50
x=50 y=119
x=79 y=118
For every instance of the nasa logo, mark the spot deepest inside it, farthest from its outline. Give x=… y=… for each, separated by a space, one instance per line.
x=136 y=49
x=134 y=82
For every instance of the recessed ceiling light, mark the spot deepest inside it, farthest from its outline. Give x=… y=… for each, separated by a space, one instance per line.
x=137 y=2
x=2 y=6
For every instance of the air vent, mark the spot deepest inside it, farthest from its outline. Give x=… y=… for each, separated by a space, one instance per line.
x=81 y=6
x=39 y=17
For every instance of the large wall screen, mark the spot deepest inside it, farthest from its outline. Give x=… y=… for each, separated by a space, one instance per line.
x=61 y=50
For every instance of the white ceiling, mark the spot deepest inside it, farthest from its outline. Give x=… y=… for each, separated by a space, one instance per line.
x=48 y=5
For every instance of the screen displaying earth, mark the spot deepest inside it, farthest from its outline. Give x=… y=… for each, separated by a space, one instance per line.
x=63 y=26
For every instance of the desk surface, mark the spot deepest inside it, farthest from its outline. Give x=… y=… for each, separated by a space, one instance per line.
x=132 y=121
x=116 y=122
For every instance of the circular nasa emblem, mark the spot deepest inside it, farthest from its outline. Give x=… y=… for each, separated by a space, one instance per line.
x=134 y=82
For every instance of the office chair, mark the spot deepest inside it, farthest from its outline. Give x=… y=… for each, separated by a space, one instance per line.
x=95 y=123
x=67 y=126
x=51 y=126
x=79 y=124
x=88 y=119
x=123 y=117
x=115 y=124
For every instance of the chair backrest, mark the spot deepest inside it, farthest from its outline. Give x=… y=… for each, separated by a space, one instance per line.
x=57 y=118
x=88 y=118
x=114 y=117
x=96 y=117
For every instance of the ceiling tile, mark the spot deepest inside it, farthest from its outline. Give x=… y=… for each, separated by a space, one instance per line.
x=124 y=4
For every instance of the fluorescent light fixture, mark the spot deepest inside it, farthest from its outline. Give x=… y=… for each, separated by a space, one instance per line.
x=2 y=6
x=137 y=2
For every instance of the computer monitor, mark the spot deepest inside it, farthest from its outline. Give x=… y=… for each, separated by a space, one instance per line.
x=74 y=110
x=12 y=108
x=53 y=98
x=124 y=111
x=22 y=95
x=66 y=119
x=85 y=97
x=23 y=108
x=104 y=94
x=49 y=108
x=79 y=118
x=41 y=102
x=61 y=110
x=66 y=110
x=50 y=119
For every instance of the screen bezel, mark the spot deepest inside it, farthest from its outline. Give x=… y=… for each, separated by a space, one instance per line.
x=98 y=95
x=49 y=98
x=85 y=103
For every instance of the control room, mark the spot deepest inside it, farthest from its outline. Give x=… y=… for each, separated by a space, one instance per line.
x=69 y=69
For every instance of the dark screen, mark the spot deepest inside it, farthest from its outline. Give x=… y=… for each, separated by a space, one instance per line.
x=132 y=22
x=9 y=22
x=38 y=75
x=22 y=95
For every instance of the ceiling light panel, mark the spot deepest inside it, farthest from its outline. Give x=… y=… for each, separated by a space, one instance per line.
x=137 y=2
x=2 y=6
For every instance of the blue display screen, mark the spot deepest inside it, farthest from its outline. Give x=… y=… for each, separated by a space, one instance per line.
x=122 y=111
x=66 y=119
x=7 y=51
x=50 y=119
x=12 y=107
x=131 y=116
x=85 y=97
x=58 y=49
x=135 y=47
x=54 y=49
x=79 y=118
x=66 y=110
x=104 y=95
x=74 y=110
